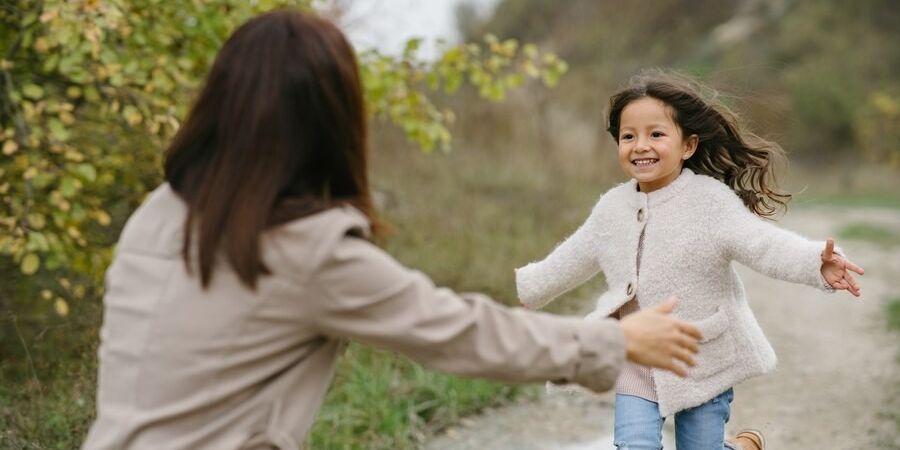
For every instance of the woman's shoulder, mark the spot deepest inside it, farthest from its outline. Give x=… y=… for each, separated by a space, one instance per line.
x=156 y=226
x=322 y=229
x=306 y=243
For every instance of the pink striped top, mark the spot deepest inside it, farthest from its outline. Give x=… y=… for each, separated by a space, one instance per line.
x=634 y=379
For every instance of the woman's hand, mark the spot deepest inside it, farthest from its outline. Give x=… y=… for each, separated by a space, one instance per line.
x=655 y=339
x=836 y=270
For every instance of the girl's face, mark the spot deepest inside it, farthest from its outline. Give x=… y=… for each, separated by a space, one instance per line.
x=651 y=146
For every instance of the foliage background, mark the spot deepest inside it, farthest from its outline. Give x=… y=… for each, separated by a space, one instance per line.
x=91 y=91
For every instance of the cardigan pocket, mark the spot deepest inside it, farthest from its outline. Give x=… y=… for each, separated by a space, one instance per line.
x=716 y=348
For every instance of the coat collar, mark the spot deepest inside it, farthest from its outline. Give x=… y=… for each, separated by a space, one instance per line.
x=662 y=195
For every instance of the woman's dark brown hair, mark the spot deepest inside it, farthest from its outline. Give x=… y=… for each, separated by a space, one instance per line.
x=740 y=159
x=278 y=132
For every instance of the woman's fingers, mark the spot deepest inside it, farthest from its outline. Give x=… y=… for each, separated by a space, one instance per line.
x=685 y=356
x=667 y=306
x=676 y=369
x=688 y=343
x=690 y=330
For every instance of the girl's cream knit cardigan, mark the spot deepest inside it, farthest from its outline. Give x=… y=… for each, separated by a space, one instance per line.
x=681 y=240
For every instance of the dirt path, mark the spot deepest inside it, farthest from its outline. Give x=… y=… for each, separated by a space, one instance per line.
x=837 y=385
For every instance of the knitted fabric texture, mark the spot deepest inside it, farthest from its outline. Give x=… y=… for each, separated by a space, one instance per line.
x=694 y=229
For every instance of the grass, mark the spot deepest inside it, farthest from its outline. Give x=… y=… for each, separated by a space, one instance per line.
x=844 y=184
x=47 y=381
x=870 y=233
x=893 y=314
x=858 y=200
x=893 y=396
x=383 y=401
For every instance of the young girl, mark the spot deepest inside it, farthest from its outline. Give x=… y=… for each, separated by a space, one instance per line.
x=700 y=189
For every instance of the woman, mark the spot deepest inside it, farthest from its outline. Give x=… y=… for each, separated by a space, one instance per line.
x=236 y=283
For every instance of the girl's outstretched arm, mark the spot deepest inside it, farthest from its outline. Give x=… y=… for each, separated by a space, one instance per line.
x=766 y=248
x=571 y=263
x=836 y=270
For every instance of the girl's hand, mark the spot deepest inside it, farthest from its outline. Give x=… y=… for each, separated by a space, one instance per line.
x=836 y=270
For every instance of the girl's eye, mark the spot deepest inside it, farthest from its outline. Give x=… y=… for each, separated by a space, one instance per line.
x=626 y=136
x=657 y=134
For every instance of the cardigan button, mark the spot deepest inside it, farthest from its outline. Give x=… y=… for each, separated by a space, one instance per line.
x=640 y=215
x=630 y=289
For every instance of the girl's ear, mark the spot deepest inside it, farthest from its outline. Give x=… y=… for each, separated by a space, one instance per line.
x=690 y=145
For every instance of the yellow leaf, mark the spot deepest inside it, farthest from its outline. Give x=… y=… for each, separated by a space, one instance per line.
x=10 y=147
x=46 y=294
x=61 y=307
x=132 y=115
x=49 y=15
x=102 y=217
x=30 y=264
x=73 y=155
x=73 y=232
x=36 y=221
x=41 y=45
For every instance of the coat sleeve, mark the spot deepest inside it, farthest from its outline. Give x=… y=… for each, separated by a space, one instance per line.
x=765 y=247
x=570 y=264
x=363 y=294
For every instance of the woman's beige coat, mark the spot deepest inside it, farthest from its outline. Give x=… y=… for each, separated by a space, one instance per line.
x=230 y=368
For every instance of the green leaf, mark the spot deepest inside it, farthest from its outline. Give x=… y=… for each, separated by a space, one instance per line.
x=86 y=171
x=33 y=91
x=38 y=241
x=51 y=62
x=412 y=46
x=58 y=130
x=69 y=187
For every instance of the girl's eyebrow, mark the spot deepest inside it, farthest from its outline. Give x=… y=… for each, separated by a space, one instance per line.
x=649 y=125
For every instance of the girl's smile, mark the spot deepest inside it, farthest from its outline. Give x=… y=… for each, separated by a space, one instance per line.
x=645 y=162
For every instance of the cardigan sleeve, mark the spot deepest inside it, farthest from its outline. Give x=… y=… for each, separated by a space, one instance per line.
x=570 y=264
x=363 y=294
x=766 y=248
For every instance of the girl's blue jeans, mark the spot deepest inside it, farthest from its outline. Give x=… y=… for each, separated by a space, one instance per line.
x=639 y=425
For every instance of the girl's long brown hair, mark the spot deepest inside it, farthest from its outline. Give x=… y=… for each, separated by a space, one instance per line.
x=278 y=132
x=740 y=159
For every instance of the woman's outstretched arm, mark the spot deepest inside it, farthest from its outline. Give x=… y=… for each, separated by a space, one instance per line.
x=365 y=295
